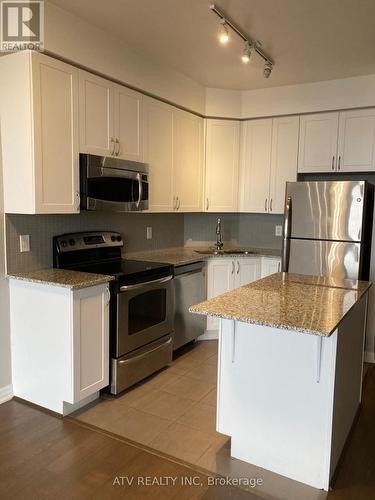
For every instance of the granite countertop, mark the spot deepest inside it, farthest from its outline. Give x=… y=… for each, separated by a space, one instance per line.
x=62 y=277
x=308 y=304
x=186 y=255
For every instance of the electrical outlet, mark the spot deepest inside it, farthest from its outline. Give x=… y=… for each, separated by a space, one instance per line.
x=149 y=233
x=24 y=243
x=278 y=230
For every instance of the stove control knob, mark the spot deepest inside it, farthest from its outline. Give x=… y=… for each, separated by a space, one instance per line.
x=72 y=242
x=113 y=238
x=63 y=243
x=118 y=238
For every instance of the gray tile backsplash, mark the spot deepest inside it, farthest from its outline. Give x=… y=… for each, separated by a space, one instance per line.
x=169 y=230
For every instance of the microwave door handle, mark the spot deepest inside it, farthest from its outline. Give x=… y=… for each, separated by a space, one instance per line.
x=140 y=190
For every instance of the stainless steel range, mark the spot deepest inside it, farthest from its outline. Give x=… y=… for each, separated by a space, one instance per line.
x=141 y=306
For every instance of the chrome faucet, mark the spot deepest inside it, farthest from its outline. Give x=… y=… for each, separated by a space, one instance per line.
x=219 y=236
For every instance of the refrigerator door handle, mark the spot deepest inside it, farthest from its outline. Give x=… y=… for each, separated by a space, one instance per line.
x=286 y=234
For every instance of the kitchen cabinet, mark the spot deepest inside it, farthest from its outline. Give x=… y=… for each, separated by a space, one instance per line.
x=270 y=265
x=188 y=161
x=40 y=135
x=110 y=118
x=356 y=142
x=269 y=149
x=222 y=165
x=338 y=142
x=174 y=151
x=225 y=274
x=60 y=353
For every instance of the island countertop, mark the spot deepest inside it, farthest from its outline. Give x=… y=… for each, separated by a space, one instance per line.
x=307 y=304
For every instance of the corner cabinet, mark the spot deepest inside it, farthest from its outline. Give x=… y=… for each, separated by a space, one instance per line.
x=40 y=134
x=60 y=353
x=110 y=118
x=222 y=165
x=173 y=141
x=337 y=142
x=269 y=151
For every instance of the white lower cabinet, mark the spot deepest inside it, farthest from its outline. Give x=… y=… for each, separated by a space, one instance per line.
x=60 y=343
x=270 y=265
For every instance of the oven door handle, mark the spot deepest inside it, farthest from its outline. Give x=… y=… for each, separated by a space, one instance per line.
x=126 y=288
x=140 y=189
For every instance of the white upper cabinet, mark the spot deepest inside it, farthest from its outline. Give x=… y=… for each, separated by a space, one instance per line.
x=222 y=165
x=96 y=115
x=256 y=143
x=158 y=141
x=188 y=161
x=284 y=155
x=39 y=130
x=356 y=144
x=128 y=123
x=318 y=142
x=269 y=150
x=110 y=118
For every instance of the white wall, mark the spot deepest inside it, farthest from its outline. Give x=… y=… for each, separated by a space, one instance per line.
x=5 y=363
x=77 y=40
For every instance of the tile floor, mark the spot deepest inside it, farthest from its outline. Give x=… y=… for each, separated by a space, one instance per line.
x=174 y=412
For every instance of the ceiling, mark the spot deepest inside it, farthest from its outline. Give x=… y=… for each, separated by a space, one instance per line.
x=309 y=40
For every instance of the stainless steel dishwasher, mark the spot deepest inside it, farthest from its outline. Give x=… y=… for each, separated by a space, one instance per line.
x=190 y=288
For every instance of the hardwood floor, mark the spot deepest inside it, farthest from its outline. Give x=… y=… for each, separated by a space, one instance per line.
x=45 y=457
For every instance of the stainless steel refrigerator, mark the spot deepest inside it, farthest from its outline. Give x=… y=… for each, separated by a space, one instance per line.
x=327 y=228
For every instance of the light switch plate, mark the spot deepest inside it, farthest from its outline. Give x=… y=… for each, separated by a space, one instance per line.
x=278 y=230
x=24 y=243
x=149 y=233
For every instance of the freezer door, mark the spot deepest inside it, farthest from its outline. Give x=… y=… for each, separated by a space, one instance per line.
x=326 y=210
x=325 y=258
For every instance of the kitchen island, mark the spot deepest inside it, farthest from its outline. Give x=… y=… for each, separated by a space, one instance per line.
x=290 y=371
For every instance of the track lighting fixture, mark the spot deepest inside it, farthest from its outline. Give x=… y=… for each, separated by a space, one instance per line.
x=252 y=46
x=247 y=53
x=223 y=35
x=267 y=69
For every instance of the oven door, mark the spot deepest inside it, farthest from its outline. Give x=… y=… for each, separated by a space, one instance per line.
x=145 y=313
x=112 y=184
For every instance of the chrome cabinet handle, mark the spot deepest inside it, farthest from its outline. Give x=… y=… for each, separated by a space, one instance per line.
x=339 y=164
x=265 y=204
x=333 y=162
x=178 y=203
x=233 y=266
x=271 y=205
x=117 y=151
x=207 y=204
x=238 y=267
x=174 y=203
x=112 y=150
x=278 y=267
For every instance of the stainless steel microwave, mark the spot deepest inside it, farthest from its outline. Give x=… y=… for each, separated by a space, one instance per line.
x=113 y=184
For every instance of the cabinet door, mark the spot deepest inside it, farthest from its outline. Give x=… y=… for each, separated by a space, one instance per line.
x=128 y=123
x=220 y=279
x=56 y=135
x=90 y=340
x=96 y=115
x=318 y=142
x=222 y=165
x=284 y=158
x=255 y=165
x=247 y=270
x=188 y=156
x=158 y=140
x=356 y=145
x=270 y=266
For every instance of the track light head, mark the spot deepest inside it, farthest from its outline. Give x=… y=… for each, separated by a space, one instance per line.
x=267 y=69
x=223 y=34
x=247 y=53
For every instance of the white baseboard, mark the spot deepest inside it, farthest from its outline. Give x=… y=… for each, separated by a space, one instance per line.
x=6 y=393
x=369 y=357
x=209 y=335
